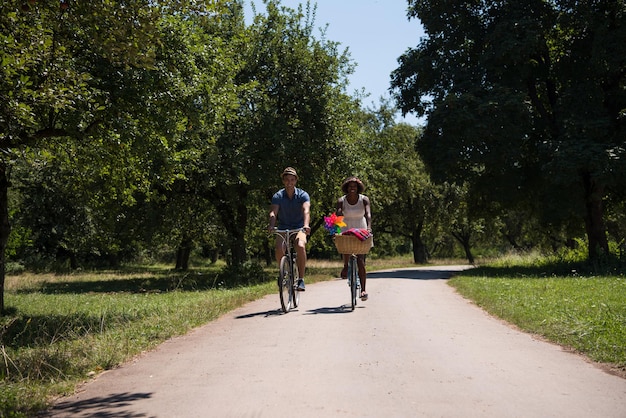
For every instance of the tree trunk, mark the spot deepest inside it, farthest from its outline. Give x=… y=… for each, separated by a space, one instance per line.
x=182 y=258
x=5 y=229
x=238 y=249
x=183 y=252
x=511 y=239
x=267 y=252
x=468 y=253
x=420 y=255
x=464 y=240
x=594 y=218
x=63 y=255
x=231 y=206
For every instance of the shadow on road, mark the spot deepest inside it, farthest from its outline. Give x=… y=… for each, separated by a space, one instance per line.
x=442 y=273
x=274 y=312
x=331 y=310
x=104 y=407
x=413 y=274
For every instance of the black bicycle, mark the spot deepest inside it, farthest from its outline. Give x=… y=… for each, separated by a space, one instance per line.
x=353 y=280
x=288 y=271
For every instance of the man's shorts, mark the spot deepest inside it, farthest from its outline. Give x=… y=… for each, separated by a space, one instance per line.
x=300 y=236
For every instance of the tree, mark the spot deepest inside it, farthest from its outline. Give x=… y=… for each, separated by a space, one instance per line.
x=525 y=101
x=290 y=115
x=82 y=73
x=401 y=193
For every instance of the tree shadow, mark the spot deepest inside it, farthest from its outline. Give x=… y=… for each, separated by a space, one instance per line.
x=151 y=284
x=102 y=407
x=413 y=274
x=43 y=330
x=541 y=270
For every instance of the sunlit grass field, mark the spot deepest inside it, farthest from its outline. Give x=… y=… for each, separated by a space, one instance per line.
x=63 y=328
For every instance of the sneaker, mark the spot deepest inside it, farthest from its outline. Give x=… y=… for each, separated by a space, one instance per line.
x=301 y=285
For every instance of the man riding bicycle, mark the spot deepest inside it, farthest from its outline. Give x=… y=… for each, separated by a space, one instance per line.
x=292 y=207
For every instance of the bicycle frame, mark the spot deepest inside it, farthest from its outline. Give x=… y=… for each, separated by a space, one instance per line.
x=353 y=280
x=288 y=271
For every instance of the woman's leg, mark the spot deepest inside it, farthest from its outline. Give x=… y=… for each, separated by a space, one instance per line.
x=344 y=271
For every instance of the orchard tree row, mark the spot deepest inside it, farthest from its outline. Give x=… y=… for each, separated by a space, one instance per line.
x=151 y=129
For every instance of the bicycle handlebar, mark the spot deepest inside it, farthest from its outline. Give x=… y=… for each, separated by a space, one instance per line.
x=282 y=231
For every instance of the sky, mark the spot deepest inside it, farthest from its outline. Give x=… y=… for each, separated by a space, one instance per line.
x=376 y=33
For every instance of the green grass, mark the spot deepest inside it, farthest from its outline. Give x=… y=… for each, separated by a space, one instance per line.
x=581 y=311
x=61 y=329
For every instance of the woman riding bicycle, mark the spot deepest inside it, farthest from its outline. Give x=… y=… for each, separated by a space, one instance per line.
x=355 y=208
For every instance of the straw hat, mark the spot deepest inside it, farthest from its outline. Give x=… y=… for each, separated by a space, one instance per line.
x=359 y=184
x=289 y=171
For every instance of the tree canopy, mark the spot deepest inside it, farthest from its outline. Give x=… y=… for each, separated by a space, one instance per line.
x=160 y=120
x=525 y=102
x=152 y=129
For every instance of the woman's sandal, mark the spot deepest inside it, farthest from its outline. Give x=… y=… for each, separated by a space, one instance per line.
x=363 y=296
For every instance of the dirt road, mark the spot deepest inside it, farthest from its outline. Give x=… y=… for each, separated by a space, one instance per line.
x=414 y=349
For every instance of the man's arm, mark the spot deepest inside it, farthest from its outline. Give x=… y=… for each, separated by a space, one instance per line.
x=273 y=213
x=306 y=209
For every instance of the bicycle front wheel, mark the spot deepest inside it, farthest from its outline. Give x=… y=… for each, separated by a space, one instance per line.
x=352 y=276
x=285 y=285
x=296 y=293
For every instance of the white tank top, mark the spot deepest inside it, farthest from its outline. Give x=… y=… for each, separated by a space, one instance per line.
x=354 y=215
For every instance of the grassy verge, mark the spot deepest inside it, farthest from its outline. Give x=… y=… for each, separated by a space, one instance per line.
x=581 y=311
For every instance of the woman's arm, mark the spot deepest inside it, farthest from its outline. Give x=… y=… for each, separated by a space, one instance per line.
x=339 y=209
x=368 y=212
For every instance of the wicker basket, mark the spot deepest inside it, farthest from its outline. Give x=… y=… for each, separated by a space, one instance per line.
x=349 y=244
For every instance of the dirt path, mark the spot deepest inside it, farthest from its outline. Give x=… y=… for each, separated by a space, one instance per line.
x=415 y=349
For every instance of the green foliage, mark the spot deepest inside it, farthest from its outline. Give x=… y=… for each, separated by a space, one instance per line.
x=291 y=112
x=163 y=133
x=525 y=103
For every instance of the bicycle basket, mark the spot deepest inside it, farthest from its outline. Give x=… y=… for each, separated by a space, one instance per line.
x=349 y=244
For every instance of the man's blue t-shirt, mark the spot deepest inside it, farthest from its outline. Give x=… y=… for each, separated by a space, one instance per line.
x=290 y=215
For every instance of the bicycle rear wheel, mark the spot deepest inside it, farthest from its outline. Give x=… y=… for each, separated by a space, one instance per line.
x=285 y=285
x=352 y=276
x=296 y=294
